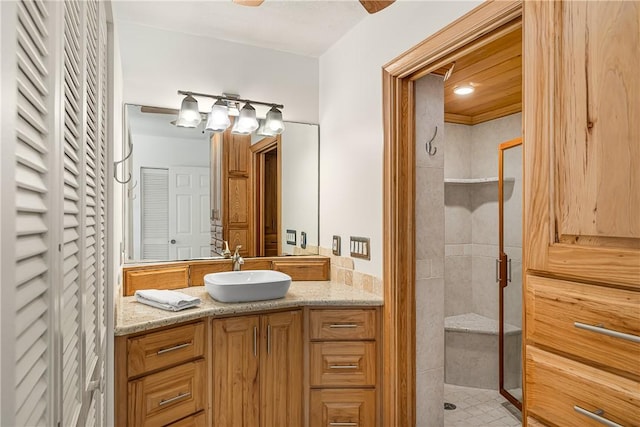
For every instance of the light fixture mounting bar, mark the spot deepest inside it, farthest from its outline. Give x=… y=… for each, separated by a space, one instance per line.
x=228 y=98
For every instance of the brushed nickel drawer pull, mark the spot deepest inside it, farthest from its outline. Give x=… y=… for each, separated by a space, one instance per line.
x=173 y=399
x=255 y=341
x=600 y=329
x=343 y=366
x=174 y=348
x=343 y=325
x=269 y=339
x=342 y=424
x=596 y=416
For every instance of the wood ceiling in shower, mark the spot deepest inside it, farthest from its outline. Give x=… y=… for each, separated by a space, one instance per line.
x=495 y=71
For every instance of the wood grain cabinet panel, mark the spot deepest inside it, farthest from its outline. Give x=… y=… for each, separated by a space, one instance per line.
x=197 y=420
x=582 y=140
x=340 y=364
x=348 y=408
x=161 y=278
x=575 y=318
x=566 y=391
x=157 y=350
x=352 y=324
x=167 y=396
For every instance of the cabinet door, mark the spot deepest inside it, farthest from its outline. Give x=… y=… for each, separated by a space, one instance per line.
x=235 y=372
x=582 y=139
x=238 y=154
x=281 y=370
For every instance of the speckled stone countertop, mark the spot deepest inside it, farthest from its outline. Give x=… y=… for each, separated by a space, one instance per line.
x=132 y=316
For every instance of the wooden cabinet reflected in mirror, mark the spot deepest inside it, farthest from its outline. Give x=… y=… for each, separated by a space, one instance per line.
x=193 y=190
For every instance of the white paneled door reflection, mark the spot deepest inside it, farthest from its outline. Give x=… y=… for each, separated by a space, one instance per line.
x=189 y=229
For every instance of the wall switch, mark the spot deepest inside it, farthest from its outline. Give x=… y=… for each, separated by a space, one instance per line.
x=291 y=237
x=335 y=245
x=360 y=247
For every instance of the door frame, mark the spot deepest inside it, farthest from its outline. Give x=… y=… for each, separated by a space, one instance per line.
x=258 y=152
x=480 y=26
x=503 y=268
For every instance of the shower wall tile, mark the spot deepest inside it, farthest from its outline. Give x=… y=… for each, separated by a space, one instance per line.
x=484 y=285
x=457 y=285
x=486 y=137
x=423 y=269
x=429 y=96
x=457 y=151
x=430 y=398
x=429 y=213
x=429 y=324
x=457 y=210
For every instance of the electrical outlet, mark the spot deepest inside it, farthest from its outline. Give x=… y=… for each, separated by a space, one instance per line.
x=335 y=245
x=360 y=247
x=291 y=237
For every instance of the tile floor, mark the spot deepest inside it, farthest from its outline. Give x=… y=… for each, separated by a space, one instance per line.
x=478 y=407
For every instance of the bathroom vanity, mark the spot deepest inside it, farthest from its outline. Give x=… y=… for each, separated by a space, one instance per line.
x=308 y=359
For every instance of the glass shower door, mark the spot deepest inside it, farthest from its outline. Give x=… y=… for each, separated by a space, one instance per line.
x=510 y=269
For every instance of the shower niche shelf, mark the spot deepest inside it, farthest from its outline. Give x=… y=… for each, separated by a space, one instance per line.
x=484 y=180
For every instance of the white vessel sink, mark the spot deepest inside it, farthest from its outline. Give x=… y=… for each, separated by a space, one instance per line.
x=248 y=285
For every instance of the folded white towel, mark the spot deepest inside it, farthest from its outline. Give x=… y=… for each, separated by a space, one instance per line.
x=166 y=299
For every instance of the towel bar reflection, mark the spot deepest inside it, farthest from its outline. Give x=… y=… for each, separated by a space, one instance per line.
x=115 y=167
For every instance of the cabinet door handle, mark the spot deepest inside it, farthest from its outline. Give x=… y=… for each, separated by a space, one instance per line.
x=343 y=325
x=600 y=329
x=498 y=262
x=596 y=416
x=255 y=341
x=343 y=366
x=509 y=270
x=268 y=339
x=173 y=399
x=174 y=348
x=342 y=424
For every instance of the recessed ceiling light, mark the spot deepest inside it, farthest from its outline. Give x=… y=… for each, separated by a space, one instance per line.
x=463 y=90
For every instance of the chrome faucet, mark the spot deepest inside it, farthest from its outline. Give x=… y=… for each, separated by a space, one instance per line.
x=237 y=259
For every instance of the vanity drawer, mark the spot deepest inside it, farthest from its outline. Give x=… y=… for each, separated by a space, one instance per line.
x=352 y=324
x=337 y=364
x=164 y=348
x=167 y=396
x=562 y=315
x=563 y=391
x=346 y=408
x=197 y=420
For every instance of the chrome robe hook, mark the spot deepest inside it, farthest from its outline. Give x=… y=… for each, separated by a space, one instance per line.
x=431 y=149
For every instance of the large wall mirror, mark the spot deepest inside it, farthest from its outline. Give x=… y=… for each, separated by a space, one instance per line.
x=191 y=190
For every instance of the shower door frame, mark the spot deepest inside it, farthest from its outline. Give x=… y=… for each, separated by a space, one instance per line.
x=503 y=267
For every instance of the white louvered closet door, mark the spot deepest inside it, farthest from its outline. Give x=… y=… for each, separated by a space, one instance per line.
x=53 y=213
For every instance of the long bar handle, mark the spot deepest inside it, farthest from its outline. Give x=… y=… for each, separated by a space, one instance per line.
x=498 y=261
x=255 y=341
x=174 y=348
x=342 y=424
x=269 y=339
x=600 y=329
x=509 y=270
x=173 y=399
x=596 y=416
x=343 y=366
x=343 y=325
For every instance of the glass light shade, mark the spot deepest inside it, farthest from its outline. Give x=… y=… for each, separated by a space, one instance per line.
x=218 y=118
x=463 y=90
x=263 y=130
x=189 y=115
x=274 y=121
x=246 y=121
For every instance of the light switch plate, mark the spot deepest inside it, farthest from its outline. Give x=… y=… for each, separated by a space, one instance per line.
x=360 y=247
x=291 y=237
x=335 y=245
x=303 y=240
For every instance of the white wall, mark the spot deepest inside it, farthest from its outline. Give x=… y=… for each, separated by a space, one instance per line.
x=157 y=63
x=351 y=154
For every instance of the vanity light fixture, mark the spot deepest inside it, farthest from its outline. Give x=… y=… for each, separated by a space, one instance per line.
x=218 y=118
x=263 y=130
x=463 y=89
x=227 y=105
x=189 y=115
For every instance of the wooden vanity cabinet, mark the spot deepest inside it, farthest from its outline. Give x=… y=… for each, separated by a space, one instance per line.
x=258 y=370
x=162 y=377
x=581 y=212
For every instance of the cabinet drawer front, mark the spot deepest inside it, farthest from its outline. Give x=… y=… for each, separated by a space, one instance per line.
x=157 y=350
x=342 y=408
x=557 y=387
x=343 y=324
x=560 y=314
x=198 y=420
x=167 y=396
x=336 y=364
x=532 y=422
x=159 y=278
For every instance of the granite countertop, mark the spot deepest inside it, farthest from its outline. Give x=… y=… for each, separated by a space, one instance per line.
x=132 y=316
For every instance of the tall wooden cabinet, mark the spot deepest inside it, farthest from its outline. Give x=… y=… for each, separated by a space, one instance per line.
x=257 y=370
x=582 y=210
